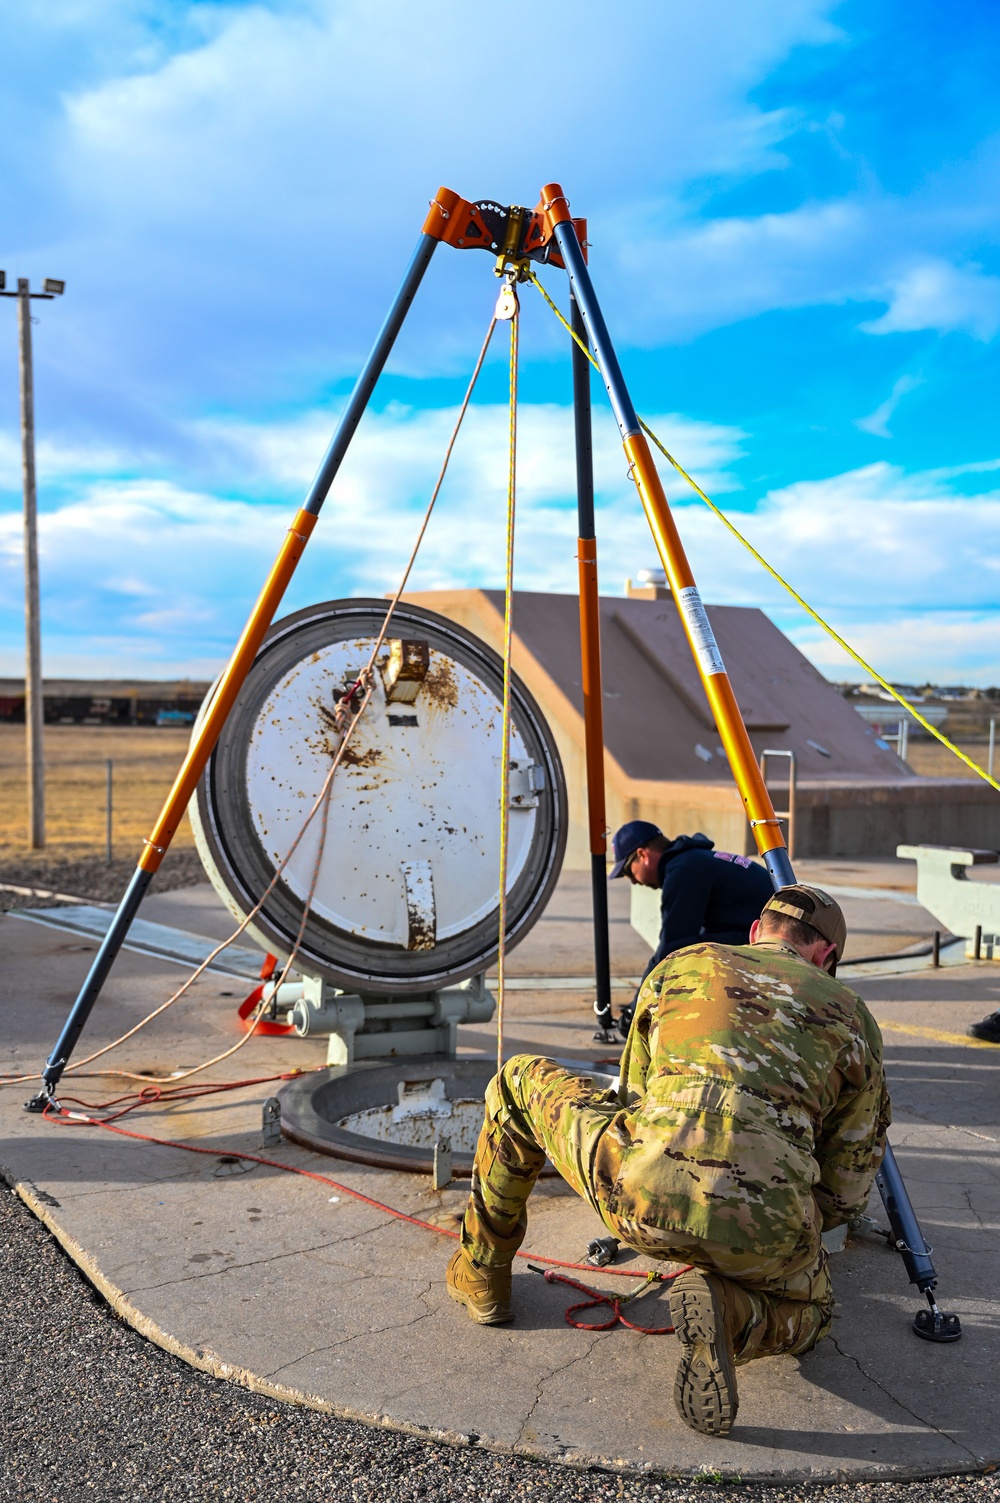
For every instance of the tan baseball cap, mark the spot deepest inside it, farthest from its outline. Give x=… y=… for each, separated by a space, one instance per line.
x=813 y=906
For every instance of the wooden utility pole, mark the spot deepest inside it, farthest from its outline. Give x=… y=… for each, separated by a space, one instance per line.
x=33 y=701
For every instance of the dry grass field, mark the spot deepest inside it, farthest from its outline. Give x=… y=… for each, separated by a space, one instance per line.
x=145 y=761
x=932 y=760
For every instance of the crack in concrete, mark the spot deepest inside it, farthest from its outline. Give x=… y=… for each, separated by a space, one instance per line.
x=546 y=1378
x=967 y=1192
x=75 y=1194
x=213 y=1273
x=928 y=1424
x=368 y=1231
x=271 y=1258
x=394 y=1325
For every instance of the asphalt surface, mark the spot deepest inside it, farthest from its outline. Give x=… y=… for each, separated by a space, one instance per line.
x=92 y=1411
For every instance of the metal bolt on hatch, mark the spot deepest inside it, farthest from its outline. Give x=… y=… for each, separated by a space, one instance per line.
x=441 y=1173
x=271 y=1124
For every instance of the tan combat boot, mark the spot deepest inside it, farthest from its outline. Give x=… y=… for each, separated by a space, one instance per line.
x=709 y=1313
x=485 y=1292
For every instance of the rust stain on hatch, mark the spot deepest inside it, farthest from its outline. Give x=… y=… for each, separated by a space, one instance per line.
x=439 y=686
x=353 y=757
x=422 y=931
x=327 y=742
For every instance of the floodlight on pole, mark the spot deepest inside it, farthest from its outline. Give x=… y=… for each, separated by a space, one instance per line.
x=33 y=702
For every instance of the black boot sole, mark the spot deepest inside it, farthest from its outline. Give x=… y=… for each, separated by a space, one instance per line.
x=705 y=1386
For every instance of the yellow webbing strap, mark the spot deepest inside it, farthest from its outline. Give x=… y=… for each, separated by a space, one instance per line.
x=815 y=615
x=507 y=640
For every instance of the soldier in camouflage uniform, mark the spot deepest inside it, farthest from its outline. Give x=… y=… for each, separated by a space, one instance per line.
x=750 y=1118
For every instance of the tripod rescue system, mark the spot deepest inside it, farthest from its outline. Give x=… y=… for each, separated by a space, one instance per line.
x=517 y=237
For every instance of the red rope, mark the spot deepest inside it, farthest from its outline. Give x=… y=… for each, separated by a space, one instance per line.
x=60 y=1117
x=168 y=1094
x=551 y=1277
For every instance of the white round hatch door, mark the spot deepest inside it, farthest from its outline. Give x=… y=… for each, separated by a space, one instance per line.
x=405 y=895
x=415 y=802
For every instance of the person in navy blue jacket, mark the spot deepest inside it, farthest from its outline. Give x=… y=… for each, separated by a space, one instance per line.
x=706 y=896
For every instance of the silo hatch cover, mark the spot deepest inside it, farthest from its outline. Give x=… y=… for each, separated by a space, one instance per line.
x=406 y=898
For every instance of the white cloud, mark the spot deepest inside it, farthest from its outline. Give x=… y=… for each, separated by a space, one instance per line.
x=167 y=574
x=942 y=647
x=161 y=570
x=937 y=295
x=398 y=452
x=877 y=422
x=697 y=277
x=873 y=538
x=60 y=459
x=263 y=186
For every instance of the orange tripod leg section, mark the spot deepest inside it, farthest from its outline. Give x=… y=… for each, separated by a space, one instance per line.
x=590 y=640
x=711 y=669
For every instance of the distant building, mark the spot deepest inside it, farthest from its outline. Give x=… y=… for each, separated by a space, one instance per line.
x=663 y=759
x=108 y=701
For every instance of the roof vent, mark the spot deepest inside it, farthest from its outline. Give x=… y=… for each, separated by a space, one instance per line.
x=649 y=584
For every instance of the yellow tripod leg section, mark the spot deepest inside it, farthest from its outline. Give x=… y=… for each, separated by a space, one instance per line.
x=228 y=688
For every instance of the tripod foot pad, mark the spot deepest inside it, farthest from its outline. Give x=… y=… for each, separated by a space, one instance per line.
x=936 y=1326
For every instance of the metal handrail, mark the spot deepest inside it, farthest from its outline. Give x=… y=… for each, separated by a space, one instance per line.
x=786 y=814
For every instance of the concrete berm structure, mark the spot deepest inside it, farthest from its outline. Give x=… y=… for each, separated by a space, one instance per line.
x=663 y=760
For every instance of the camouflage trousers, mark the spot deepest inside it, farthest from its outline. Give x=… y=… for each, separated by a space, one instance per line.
x=535 y=1109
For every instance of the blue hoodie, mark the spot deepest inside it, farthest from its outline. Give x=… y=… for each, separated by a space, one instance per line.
x=707 y=896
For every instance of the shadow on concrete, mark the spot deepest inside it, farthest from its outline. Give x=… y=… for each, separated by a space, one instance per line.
x=72 y=1156
x=942 y=1082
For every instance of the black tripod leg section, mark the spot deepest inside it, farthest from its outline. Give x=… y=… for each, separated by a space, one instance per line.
x=590 y=658
x=605 y=1033
x=932 y=1324
x=91 y=989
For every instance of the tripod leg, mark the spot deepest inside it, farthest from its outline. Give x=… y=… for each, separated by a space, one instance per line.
x=697 y=628
x=593 y=706
x=708 y=659
x=232 y=680
x=932 y=1324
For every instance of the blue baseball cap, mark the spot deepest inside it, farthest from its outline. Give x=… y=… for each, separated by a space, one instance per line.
x=626 y=841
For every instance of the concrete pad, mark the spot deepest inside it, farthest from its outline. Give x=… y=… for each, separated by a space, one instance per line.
x=292 y=1287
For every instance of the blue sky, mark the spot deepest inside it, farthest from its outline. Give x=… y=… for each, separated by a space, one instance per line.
x=794 y=225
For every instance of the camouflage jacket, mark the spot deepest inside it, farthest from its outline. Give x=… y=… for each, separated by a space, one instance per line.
x=753 y=1097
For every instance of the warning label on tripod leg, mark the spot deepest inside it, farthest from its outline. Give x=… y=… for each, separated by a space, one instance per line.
x=703 y=638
